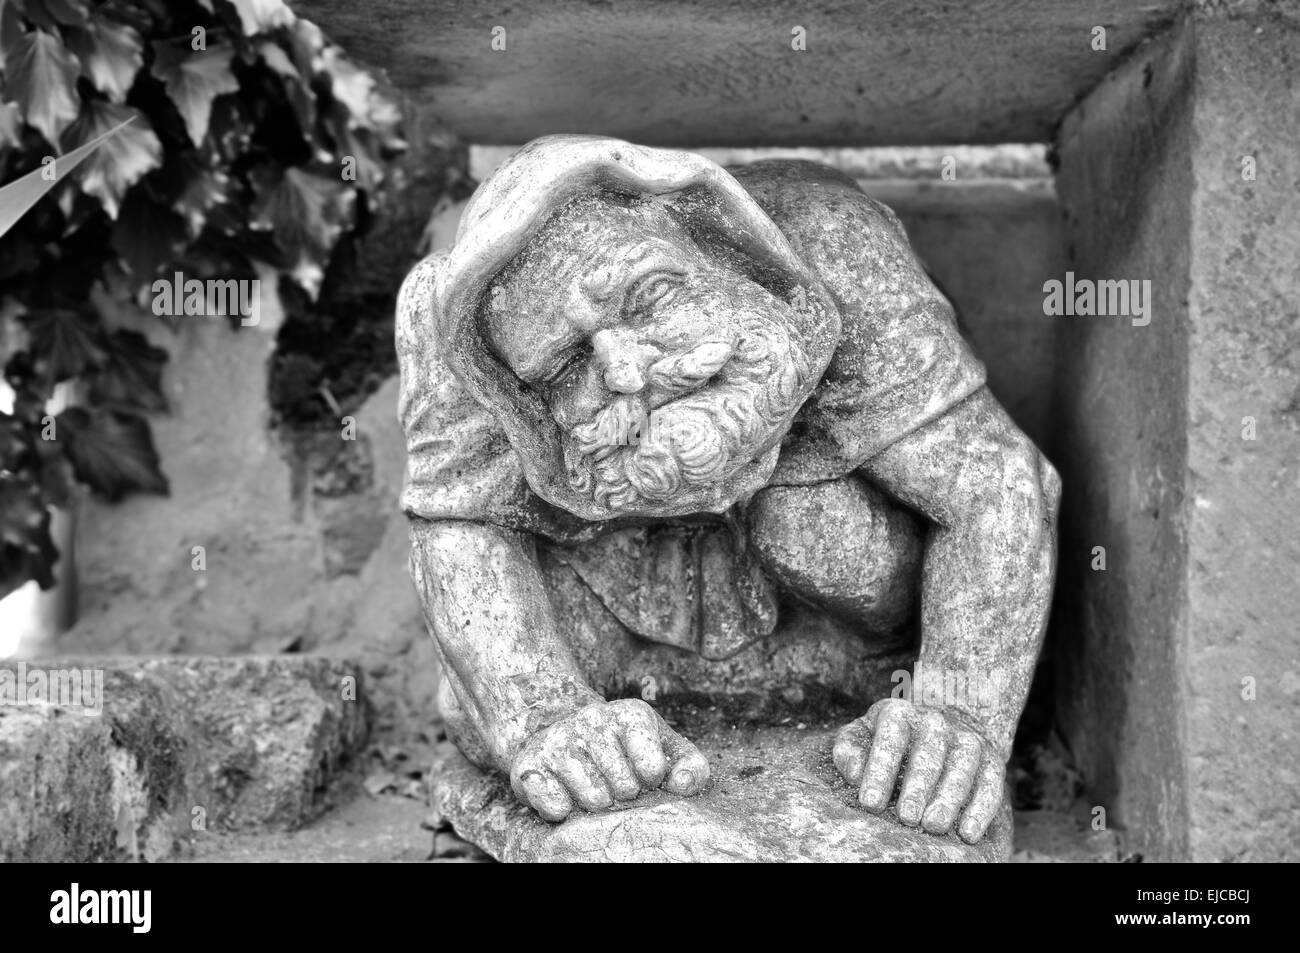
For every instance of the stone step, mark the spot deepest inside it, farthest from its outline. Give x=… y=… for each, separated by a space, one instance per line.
x=127 y=759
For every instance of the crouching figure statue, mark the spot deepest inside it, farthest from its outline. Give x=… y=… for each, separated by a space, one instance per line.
x=695 y=450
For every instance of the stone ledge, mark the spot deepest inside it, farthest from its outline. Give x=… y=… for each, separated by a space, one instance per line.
x=183 y=746
x=724 y=73
x=774 y=797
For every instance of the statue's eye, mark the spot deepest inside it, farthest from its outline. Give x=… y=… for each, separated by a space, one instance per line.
x=566 y=365
x=655 y=288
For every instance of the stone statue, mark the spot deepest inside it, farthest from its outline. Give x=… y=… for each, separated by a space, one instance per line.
x=701 y=452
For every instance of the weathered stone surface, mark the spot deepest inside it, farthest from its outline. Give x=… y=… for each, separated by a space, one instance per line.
x=1125 y=179
x=774 y=797
x=269 y=733
x=1243 y=441
x=232 y=744
x=78 y=787
x=693 y=73
x=1181 y=687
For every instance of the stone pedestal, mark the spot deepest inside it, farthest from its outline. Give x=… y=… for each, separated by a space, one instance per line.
x=774 y=797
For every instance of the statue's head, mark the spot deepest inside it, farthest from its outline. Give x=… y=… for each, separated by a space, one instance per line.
x=640 y=328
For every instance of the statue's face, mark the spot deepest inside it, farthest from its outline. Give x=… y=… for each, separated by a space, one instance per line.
x=664 y=368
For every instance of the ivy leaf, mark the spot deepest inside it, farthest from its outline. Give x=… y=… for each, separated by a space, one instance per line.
x=306 y=213
x=41 y=76
x=123 y=159
x=131 y=377
x=262 y=16
x=110 y=451
x=110 y=53
x=11 y=126
x=193 y=80
x=19 y=196
x=67 y=12
x=65 y=341
x=11 y=28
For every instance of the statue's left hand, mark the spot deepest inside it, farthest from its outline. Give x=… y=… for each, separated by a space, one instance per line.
x=951 y=774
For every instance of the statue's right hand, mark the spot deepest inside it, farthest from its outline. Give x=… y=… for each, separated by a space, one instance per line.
x=604 y=752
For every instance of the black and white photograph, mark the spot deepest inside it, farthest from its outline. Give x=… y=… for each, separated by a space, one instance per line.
x=650 y=431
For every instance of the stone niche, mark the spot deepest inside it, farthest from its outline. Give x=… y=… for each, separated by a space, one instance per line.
x=1173 y=663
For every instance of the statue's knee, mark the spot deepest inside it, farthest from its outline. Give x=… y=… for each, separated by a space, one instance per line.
x=843 y=545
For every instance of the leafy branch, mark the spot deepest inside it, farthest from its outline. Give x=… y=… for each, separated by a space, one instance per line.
x=253 y=145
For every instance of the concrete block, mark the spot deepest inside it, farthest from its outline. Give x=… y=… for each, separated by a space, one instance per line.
x=180 y=747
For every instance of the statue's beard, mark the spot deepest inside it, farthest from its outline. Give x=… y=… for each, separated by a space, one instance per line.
x=703 y=415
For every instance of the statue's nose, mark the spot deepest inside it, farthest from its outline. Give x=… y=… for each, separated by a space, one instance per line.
x=621 y=358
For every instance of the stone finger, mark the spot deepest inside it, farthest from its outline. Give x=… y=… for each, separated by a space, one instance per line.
x=850 y=750
x=646 y=754
x=955 y=786
x=924 y=766
x=612 y=762
x=986 y=800
x=888 y=746
x=583 y=781
x=545 y=795
x=689 y=769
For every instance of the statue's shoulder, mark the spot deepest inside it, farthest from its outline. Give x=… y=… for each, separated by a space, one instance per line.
x=851 y=240
x=802 y=196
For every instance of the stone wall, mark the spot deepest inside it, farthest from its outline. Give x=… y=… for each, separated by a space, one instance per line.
x=1243 y=485
x=1180 y=685
x=1125 y=178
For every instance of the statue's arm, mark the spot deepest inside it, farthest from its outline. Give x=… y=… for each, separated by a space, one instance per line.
x=496 y=633
x=986 y=583
x=990 y=554
x=508 y=664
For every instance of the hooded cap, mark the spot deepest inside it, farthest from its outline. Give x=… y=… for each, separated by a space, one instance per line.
x=512 y=205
